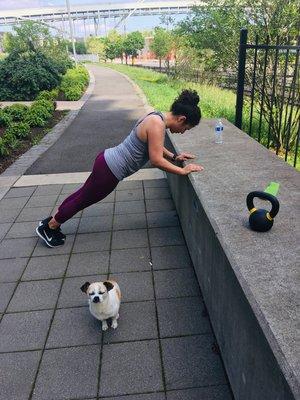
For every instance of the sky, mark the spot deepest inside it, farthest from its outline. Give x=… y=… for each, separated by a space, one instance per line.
x=132 y=23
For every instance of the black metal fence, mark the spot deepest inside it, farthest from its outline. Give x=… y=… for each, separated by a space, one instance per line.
x=270 y=113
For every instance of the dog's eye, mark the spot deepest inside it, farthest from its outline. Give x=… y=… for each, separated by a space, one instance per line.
x=101 y=292
x=92 y=294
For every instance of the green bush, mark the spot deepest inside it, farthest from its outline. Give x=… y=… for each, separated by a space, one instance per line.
x=17 y=112
x=5 y=118
x=18 y=129
x=73 y=93
x=48 y=95
x=74 y=82
x=7 y=142
x=47 y=104
x=37 y=116
x=80 y=47
x=24 y=75
x=39 y=112
x=4 y=148
x=34 y=118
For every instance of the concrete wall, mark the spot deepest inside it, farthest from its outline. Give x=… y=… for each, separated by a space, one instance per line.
x=248 y=279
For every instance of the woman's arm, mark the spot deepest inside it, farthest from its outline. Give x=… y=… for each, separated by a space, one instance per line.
x=168 y=155
x=155 y=137
x=179 y=157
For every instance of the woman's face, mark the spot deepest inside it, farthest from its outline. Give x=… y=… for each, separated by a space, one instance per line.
x=179 y=125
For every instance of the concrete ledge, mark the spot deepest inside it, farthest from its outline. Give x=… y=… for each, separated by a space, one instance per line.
x=76 y=177
x=248 y=279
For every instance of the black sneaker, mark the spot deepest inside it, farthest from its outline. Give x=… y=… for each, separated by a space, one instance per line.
x=52 y=237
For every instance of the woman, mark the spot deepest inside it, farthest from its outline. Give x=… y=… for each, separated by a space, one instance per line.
x=145 y=142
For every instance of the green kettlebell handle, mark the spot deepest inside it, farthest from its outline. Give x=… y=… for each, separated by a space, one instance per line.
x=263 y=196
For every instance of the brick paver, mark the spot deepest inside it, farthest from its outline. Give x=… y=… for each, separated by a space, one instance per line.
x=50 y=345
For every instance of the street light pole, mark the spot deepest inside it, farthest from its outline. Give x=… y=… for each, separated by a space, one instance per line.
x=71 y=32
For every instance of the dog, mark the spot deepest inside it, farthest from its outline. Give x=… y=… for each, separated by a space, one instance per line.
x=104 y=301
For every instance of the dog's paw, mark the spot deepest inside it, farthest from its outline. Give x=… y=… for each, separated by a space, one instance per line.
x=114 y=324
x=104 y=326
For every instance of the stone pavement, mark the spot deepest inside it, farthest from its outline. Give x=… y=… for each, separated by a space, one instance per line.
x=50 y=345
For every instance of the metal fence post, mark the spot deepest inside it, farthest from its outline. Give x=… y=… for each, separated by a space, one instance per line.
x=241 y=78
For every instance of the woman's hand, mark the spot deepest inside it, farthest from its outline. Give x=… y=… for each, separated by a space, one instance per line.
x=184 y=157
x=192 y=168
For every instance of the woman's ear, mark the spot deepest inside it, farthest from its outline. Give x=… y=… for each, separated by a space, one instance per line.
x=181 y=119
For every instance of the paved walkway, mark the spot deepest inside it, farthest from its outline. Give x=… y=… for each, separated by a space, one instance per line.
x=50 y=342
x=104 y=121
x=50 y=345
x=60 y=105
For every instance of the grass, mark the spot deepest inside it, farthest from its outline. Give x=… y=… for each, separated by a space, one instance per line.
x=161 y=90
x=215 y=102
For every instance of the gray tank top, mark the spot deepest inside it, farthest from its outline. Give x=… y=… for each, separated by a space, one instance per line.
x=130 y=155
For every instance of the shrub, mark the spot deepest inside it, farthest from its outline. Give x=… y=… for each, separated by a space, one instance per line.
x=48 y=94
x=5 y=118
x=34 y=118
x=18 y=129
x=7 y=142
x=70 y=80
x=39 y=112
x=74 y=82
x=24 y=75
x=47 y=104
x=17 y=112
x=4 y=149
x=73 y=93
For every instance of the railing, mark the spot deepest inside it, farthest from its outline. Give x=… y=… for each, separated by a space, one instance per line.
x=270 y=113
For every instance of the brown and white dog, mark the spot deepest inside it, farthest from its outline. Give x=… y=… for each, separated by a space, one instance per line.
x=104 y=301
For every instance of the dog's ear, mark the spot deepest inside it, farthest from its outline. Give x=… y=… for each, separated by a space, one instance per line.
x=108 y=285
x=84 y=287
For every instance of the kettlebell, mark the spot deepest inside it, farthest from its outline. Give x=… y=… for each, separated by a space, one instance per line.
x=262 y=220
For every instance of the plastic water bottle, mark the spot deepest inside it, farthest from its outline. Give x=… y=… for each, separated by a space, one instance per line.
x=219 y=132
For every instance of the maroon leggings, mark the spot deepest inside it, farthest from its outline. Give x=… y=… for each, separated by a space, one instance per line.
x=99 y=184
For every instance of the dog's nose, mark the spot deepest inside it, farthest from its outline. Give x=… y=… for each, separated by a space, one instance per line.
x=96 y=300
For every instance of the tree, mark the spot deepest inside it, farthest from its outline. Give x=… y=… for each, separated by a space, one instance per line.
x=216 y=25
x=24 y=75
x=162 y=44
x=166 y=20
x=29 y=35
x=35 y=62
x=133 y=43
x=96 y=45
x=32 y=36
x=113 y=45
x=80 y=47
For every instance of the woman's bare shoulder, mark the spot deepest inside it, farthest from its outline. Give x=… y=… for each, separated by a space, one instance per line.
x=154 y=121
x=151 y=125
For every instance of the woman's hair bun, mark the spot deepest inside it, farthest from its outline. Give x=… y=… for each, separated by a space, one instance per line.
x=188 y=97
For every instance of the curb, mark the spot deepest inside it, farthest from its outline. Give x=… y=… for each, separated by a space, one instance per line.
x=20 y=166
x=81 y=177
